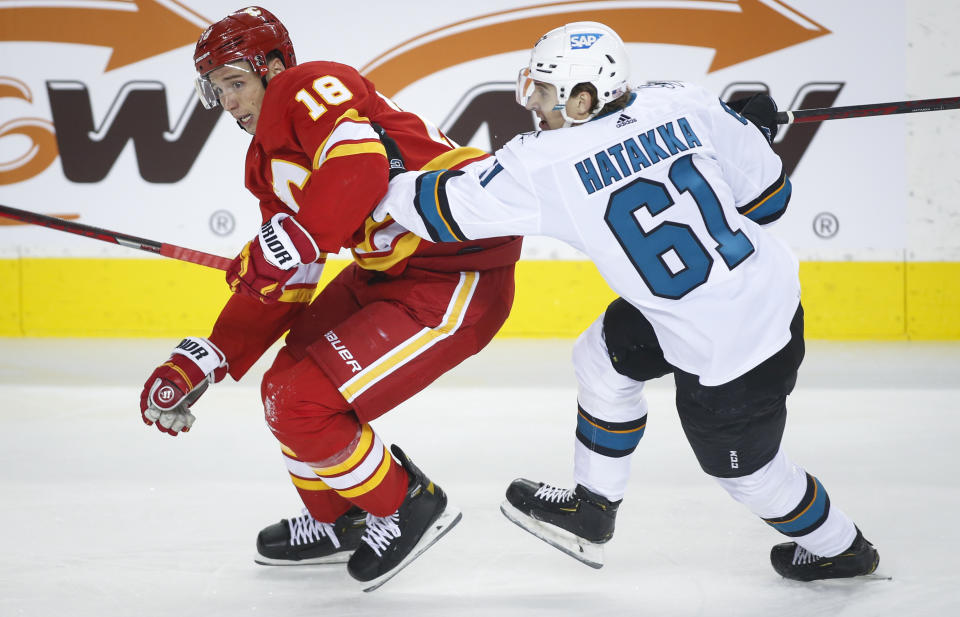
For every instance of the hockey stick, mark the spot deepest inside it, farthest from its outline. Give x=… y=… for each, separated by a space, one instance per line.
x=859 y=111
x=152 y=246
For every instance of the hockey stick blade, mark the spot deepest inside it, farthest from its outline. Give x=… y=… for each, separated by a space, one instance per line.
x=105 y=235
x=798 y=116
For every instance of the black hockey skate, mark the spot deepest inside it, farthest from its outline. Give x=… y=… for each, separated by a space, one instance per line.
x=304 y=540
x=577 y=522
x=795 y=562
x=390 y=543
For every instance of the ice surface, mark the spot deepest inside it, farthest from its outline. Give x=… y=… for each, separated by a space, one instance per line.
x=102 y=515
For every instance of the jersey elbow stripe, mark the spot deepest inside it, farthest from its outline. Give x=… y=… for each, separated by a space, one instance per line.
x=771 y=204
x=433 y=207
x=350 y=127
x=613 y=439
x=352 y=148
x=808 y=515
x=455 y=159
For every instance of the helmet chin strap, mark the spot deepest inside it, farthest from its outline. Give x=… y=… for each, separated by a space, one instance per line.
x=568 y=121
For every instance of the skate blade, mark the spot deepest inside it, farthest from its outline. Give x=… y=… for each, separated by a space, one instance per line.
x=336 y=558
x=444 y=523
x=841 y=581
x=582 y=550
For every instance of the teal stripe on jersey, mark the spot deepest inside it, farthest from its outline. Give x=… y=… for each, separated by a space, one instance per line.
x=431 y=204
x=772 y=203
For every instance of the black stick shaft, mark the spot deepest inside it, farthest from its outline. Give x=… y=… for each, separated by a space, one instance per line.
x=860 y=111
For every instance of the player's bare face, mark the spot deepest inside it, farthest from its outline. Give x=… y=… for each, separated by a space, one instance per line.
x=544 y=103
x=240 y=92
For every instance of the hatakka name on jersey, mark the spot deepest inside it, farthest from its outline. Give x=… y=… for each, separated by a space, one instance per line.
x=631 y=155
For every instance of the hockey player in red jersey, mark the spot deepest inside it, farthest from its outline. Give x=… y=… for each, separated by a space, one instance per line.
x=403 y=313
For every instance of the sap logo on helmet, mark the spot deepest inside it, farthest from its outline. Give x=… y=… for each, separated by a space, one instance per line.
x=252 y=11
x=584 y=40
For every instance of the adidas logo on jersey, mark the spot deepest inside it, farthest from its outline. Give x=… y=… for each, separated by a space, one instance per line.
x=624 y=120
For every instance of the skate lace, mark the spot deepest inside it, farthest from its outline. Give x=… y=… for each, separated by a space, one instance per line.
x=305 y=529
x=381 y=530
x=552 y=493
x=802 y=556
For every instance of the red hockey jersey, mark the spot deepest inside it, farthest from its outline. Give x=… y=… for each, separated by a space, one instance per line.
x=315 y=156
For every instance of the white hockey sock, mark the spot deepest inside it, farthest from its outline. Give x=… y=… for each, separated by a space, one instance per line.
x=794 y=503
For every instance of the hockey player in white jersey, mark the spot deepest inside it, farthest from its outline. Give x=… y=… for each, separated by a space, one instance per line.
x=667 y=190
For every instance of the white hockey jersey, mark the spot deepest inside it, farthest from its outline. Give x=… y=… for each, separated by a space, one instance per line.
x=666 y=196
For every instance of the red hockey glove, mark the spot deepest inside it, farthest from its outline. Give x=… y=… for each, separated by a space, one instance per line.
x=175 y=385
x=268 y=261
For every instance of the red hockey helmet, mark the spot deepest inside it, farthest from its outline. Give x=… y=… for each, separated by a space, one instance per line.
x=248 y=34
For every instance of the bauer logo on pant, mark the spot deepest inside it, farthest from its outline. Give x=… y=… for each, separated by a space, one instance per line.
x=343 y=352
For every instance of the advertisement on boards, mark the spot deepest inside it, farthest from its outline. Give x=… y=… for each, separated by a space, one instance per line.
x=99 y=121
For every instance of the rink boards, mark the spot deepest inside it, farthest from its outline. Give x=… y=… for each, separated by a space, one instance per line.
x=162 y=298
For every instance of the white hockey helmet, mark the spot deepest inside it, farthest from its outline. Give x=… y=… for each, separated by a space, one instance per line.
x=579 y=52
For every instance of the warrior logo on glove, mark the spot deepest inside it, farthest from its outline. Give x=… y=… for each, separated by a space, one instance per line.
x=176 y=385
x=269 y=261
x=166 y=394
x=269 y=235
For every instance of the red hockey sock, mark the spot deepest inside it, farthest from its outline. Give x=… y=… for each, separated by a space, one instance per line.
x=326 y=506
x=323 y=503
x=367 y=475
x=385 y=498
